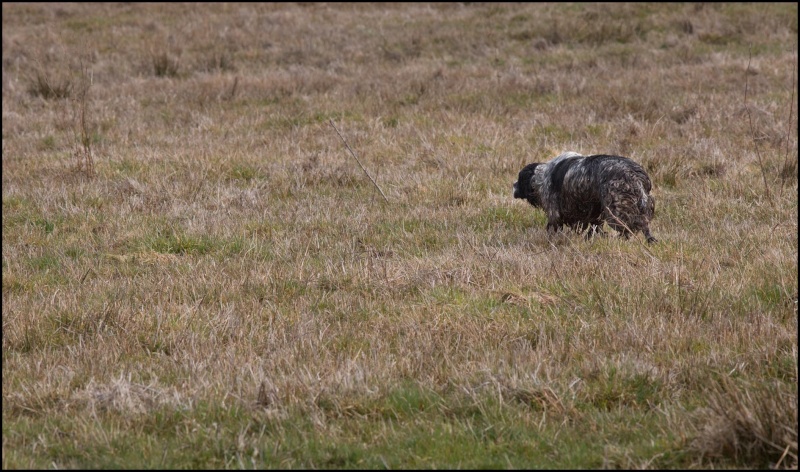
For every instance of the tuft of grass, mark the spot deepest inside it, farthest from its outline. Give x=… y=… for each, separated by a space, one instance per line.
x=243 y=172
x=46 y=225
x=170 y=241
x=50 y=87
x=749 y=424
x=164 y=64
x=48 y=143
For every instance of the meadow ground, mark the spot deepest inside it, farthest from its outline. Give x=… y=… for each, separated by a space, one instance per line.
x=198 y=273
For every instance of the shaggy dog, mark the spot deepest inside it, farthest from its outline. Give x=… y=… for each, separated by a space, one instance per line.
x=585 y=191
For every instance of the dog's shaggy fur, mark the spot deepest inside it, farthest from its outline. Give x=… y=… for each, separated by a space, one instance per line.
x=585 y=191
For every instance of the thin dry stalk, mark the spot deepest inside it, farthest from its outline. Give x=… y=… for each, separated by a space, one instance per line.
x=232 y=92
x=359 y=162
x=84 y=152
x=785 y=169
x=752 y=130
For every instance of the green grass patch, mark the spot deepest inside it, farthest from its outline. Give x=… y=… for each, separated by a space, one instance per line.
x=410 y=427
x=516 y=217
x=170 y=241
x=44 y=263
x=243 y=172
x=127 y=167
x=612 y=390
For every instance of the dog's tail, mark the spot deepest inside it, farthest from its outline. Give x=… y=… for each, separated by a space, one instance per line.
x=646 y=203
x=644 y=200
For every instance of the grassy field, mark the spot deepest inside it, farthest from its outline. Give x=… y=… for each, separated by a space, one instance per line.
x=197 y=273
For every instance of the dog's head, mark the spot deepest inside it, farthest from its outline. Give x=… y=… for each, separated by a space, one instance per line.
x=524 y=188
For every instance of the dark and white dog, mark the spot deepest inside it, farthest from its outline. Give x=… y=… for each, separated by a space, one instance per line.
x=585 y=191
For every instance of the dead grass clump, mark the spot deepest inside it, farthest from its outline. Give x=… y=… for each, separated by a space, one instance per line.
x=403 y=51
x=640 y=106
x=684 y=114
x=164 y=64
x=314 y=173
x=123 y=395
x=210 y=89
x=789 y=170
x=750 y=424
x=217 y=61
x=667 y=168
x=603 y=24
x=541 y=399
x=85 y=131
x=50 y=87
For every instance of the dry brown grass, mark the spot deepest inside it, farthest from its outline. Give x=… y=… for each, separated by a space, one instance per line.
x=752 y=422
x=230 y=289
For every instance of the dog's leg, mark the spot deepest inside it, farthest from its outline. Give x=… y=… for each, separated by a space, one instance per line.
x=594 y=230
x=650 y=238
x=554 y=226
x=598 y=229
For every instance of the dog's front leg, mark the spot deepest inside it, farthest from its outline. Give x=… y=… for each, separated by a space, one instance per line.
x=554 y=226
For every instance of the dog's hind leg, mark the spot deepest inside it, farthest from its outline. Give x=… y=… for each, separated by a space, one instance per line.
x=650 y=238
x=595 y=230
x=555 y=227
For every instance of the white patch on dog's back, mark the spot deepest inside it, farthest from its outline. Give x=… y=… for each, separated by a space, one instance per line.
x=563 y=156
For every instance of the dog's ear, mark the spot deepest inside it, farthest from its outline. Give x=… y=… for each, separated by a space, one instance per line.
x=525 y=187
x=523 y=182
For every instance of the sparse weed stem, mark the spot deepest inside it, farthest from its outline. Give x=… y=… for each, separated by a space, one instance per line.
x=358 y=161
x=753 y=131
x=790 y=166
x=84 y=135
